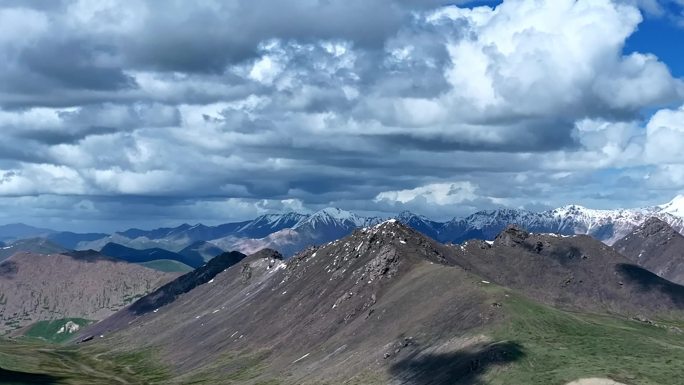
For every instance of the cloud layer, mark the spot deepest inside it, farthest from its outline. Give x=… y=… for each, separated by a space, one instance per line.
x=121 y=113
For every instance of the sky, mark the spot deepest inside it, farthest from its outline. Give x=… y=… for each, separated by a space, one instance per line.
x=142 y=113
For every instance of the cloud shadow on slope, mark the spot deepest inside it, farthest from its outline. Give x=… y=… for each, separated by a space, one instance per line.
x=462 y=367
x=648 y=281
x=13 y=377
x=8 y=269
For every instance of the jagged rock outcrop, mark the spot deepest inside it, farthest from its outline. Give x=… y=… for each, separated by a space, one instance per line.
x=512 y=236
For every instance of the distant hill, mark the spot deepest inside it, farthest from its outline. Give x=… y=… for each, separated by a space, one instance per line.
x=32 y=245
x=138 y=256
x=265 y=225
x=36 y=287
x=72 y=241
x=201 y=249
x=15 y=231
x=323 y=226
x=657 y=247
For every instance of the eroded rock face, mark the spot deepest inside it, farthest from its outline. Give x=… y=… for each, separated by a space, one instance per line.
x=69 y=328
x=260 y=263
x=246 y=272
x=386 y=264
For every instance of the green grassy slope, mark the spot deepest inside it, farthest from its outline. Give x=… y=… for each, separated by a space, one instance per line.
x=560 y=347
x=167 y=266
x=53 y=331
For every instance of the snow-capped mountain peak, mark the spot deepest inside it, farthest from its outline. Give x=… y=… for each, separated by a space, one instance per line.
x=674 y=207
x=336 y=213
x=270 y=223
x=406 y=216
x=331 y=216
x=578 y=211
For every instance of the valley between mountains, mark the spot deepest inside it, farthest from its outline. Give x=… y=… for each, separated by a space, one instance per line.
x=567 y=296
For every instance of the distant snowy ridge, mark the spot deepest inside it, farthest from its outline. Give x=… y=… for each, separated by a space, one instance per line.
x=290 y=232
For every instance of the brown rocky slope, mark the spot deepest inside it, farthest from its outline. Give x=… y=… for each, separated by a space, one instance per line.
x=657 y=247
x=572 y=272
x=35 y=287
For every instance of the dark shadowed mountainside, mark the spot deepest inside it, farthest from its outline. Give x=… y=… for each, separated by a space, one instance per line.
x=139 y=256
x=169 y=292
x=72 y=241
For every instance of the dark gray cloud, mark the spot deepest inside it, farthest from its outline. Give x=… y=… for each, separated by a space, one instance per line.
x=212 y=36
x=71 y=64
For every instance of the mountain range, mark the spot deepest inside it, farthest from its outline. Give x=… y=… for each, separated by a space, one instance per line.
x=291 y=232
x=388 y=305
x=385 y=304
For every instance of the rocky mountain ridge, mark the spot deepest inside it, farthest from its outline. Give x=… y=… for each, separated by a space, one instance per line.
x=331 y=312
x=657 y=247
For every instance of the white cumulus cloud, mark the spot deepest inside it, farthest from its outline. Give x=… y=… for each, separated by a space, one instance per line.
x=435 y=193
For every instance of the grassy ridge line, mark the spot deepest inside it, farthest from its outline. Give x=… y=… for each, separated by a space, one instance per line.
x=561 y=347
